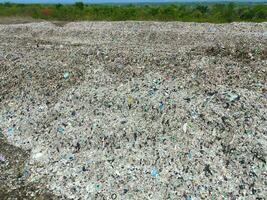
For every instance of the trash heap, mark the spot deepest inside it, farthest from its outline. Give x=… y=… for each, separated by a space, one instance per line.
x=136 y=110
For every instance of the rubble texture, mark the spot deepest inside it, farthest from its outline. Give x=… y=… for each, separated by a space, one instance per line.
x=134 y=110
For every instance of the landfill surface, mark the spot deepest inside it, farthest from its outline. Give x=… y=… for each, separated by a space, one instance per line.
x=133 y=110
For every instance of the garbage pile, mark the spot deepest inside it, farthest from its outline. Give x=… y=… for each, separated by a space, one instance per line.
x=137 y=110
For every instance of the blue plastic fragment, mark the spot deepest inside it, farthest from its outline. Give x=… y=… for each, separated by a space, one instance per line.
x=10 y=131
x=232 y=96
x=190 y=155
x=26 y=173
x=154 y=172
x=161 y=106
x=66 y=75
x=71 y=157
x=61 y=130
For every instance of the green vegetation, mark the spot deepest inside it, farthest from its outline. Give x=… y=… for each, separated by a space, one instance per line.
x=216 y=13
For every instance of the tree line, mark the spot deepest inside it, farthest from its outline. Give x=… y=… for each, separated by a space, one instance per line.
x=215 y=13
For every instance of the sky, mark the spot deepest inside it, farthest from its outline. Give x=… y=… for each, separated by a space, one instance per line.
x=119 y=1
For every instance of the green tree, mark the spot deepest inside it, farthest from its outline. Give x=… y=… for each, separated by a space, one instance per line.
x=228 y=12
x=58 y=6
x=79 y=5
x=202 y=8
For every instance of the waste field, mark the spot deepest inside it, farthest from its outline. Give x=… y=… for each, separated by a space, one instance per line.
x=133 y=110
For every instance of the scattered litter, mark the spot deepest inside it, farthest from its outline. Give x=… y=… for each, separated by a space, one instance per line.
x=194 y=114
x=151 y=92
x=113 y=196
x=154 y=172
x=249 y=132
x=185 y=127
x=232 y=96
x=61 y=130
x=84 y=169
x=98 y=186
x=26 y=173
x=125 y=191
x=66 y=75
x=207 y=170
x=190 y=155
x=161 y=106
x=263 y=166
x=71 y=157
x=37 y=156
x=189 y=198
x=73 y=113
x=2 y=158
x=10 y=132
